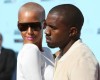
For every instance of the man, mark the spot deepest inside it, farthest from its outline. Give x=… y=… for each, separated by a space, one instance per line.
x=34 y=61
x=7 y=62
x=63 y=28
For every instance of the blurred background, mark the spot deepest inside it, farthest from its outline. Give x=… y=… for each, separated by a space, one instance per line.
x=90 y=31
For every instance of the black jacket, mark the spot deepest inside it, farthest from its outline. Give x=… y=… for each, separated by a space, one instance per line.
x=7 y=63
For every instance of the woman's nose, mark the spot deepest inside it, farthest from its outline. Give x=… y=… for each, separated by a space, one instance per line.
x=30 y=30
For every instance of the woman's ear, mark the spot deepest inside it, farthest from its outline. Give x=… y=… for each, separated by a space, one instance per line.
x=44 y=24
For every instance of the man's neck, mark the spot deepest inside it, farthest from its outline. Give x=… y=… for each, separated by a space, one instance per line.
x=66 y=48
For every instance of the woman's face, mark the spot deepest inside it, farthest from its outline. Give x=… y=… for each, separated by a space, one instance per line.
x=30 y=26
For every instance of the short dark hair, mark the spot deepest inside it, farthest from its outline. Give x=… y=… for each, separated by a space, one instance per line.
x=71 y=14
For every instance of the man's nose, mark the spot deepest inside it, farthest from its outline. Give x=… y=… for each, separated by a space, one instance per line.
x=47 y=31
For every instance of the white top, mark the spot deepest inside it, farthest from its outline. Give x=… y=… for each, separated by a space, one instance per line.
x=32 y=64
x=78 y=63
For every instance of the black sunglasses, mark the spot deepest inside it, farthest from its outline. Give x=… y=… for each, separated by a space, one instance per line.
x=34 y=25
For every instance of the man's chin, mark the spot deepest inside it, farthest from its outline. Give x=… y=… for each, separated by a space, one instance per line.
x=51 y=46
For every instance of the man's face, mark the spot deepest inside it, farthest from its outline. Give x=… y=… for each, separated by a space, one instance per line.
x=57 y=33
x=30 y=26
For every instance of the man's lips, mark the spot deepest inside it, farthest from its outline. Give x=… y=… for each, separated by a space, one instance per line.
x=48 y=39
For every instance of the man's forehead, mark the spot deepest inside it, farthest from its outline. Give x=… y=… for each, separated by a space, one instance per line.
x=54 y=16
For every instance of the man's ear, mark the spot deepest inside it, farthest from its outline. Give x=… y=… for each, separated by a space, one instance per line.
x=73 y=31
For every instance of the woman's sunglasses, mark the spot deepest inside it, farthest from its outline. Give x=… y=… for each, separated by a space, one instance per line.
x=34 y=25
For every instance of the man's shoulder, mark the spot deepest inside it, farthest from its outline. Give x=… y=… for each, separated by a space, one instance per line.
x=7 y=50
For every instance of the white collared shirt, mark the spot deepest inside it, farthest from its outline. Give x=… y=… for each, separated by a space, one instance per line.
x=78 y=63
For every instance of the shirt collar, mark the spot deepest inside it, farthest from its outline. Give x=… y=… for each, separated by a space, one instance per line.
x=74 y=46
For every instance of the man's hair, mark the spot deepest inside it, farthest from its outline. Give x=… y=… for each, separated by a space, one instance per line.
x=72 y=16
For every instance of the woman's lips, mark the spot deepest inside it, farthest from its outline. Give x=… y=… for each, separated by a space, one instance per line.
x=30 y=38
